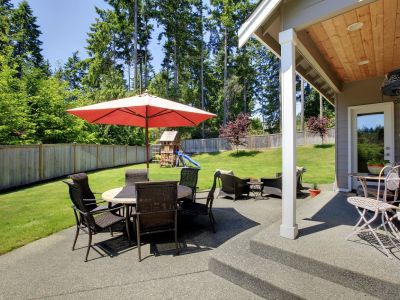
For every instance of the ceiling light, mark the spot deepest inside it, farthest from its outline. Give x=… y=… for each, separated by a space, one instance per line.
x=355 y=26
x=363 y=62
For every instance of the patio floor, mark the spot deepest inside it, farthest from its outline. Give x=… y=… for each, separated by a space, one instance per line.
x=48 y=267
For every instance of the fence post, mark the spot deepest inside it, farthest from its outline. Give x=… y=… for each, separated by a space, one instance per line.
x=41 y=174
x=97 y=156
x=113 y=147
x=74 y=146
x=126 y=154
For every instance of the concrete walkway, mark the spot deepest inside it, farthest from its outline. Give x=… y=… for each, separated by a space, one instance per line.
x=47 y=268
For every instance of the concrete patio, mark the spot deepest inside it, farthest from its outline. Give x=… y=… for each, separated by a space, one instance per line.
x=245 y=259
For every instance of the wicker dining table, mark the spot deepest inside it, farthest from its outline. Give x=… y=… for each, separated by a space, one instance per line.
x=127 y=196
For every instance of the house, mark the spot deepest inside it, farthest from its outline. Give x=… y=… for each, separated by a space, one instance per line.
x=343 y=48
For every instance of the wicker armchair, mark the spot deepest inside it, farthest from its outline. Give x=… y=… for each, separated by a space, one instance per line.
x=189 y=178
x=196 y=209
x=156 y=209
x=233 y=186
x=273 y=186
x=91 y=203
x=135 y=175
x=92 y=221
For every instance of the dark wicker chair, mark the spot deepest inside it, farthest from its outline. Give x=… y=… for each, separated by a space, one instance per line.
x=189 y=178
x=233 y=186
x=135 y=175
x=156 y=209
x=91 y=203
x=273 y=186
x=196 y=208
x=90 y=222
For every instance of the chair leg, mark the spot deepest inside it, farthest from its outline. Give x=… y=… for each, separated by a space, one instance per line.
x=212 y=216
x=138 y=238
x=177 y=246
x=89 y=244
x=211 y=223
x=76 y=237
x=111 y=231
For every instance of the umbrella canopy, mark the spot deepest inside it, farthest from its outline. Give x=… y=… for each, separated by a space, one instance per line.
x=134 y=111
x=143 y=110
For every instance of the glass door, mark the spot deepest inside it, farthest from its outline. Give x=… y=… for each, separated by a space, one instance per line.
x=371 y=136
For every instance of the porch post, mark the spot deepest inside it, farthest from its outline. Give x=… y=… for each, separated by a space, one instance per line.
x=287 y=39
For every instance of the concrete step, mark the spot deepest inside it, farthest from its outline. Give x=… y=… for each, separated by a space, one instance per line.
x=322 y=251
x=270 y=279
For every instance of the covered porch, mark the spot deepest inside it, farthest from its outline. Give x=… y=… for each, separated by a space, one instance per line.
x=343 y=49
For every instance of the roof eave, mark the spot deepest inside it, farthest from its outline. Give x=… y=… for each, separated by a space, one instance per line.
x=262 y=12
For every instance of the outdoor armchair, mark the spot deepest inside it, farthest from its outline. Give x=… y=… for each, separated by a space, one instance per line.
x=196 y=208
x=189 y=178
x=91 y=203
x=90 y=221
x=273 y=186
x=156 y=209
x=135 y=175
x=233 y=186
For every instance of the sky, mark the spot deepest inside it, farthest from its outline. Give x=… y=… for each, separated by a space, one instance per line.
x=64 y=25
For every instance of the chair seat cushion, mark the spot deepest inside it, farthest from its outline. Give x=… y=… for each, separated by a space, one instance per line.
x=107 y=219
x=194 y=208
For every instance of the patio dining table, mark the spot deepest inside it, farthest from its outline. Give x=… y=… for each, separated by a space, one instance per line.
x=127 y=196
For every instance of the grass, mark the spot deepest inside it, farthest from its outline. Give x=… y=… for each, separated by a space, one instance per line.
x=40 y=210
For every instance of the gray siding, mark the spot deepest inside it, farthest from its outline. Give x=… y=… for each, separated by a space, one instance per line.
x=357 y=93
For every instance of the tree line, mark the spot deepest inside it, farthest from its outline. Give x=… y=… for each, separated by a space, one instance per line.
x=202 y=66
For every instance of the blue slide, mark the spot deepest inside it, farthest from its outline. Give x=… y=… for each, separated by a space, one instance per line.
x=183 y=156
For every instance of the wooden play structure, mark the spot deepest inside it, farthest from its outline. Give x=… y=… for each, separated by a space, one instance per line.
x=170 y=144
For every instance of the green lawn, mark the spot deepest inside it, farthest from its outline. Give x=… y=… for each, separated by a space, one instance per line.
x=35 y=212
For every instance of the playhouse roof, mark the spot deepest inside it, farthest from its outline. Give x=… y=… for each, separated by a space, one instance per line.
x=169 y=136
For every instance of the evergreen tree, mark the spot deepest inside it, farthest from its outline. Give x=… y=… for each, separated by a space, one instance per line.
x=25 y=35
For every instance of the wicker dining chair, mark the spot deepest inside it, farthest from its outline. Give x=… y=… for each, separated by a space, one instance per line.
x=156 y=210
x=135 y=175
x=90 y=221
x=91 y=203
x=189 y=178
x=197 y=208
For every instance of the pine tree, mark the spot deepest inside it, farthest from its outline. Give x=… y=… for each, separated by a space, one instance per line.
x=25 y=35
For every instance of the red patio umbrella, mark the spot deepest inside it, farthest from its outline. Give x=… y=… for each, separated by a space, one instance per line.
x=143 y=110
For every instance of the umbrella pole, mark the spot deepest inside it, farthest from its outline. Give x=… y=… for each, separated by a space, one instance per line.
x=147 y=145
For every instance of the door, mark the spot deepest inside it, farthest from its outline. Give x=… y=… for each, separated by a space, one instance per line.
x=371 y=136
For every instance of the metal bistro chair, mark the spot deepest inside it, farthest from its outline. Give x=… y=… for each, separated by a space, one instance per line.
x=90 y=222
x=196 y=208
x=189 y=178
x=156 y=209
x=135 y=175
x=380 y=206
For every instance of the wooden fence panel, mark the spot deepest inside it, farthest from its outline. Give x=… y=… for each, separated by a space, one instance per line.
x=106 y=156
x=86 y=157
x=132 y=159
x=58 y=160
x=141 y=154
x=254 y=142
x=119 y=155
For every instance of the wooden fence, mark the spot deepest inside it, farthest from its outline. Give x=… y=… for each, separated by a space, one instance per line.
x=24 y=164
x=253 y=142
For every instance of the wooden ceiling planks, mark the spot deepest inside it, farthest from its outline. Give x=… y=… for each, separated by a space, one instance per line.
x=377 y=42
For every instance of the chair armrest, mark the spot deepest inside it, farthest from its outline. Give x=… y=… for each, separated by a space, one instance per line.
x=105 y=210
x=97 y=200
x=272 y=182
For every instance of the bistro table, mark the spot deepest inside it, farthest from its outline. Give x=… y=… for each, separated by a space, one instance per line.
x=256 y=188
x=363 y=178
x=127 y=196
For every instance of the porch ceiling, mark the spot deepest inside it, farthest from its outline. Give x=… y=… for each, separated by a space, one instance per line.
x=376 y=44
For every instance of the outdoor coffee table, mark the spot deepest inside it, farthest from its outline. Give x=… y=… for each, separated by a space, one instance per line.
x=256 y=188
x=127 y=196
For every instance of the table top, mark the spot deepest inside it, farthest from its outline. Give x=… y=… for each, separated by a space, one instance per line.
x=127 y=194
x=254 y=182
x=366 y=176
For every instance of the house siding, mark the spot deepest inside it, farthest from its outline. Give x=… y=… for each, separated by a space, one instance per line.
x=357 y=93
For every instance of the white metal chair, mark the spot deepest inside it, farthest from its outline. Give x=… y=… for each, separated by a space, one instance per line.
x=383 y=205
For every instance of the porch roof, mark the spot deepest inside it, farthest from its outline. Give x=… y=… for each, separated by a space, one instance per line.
x=337 y=41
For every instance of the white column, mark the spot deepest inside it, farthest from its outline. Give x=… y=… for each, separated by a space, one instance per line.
x=287 y=39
